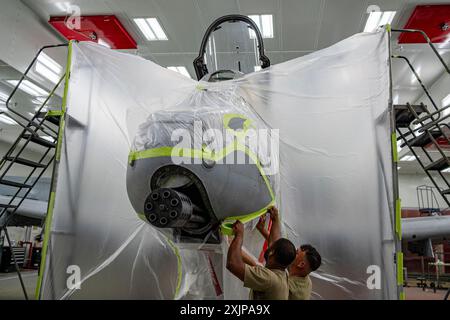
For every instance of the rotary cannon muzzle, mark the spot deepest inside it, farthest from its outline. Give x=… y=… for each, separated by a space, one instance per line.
x=168 y=208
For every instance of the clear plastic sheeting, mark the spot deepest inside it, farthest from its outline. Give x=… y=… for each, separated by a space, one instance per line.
x=334 y=186
x=215 y=150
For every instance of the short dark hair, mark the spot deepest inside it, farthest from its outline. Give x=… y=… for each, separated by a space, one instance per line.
x=284 y=251
x=312 y=255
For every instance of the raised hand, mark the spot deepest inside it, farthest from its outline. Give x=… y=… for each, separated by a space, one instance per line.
x=238 y=228
x=273 y=213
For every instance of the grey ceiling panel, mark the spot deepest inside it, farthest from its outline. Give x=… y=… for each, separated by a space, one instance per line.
x=49 y=8
x=301 y=24
x=258 y=6
x=179 y=19
x=300 y=27
x=176 y=60
x=340 y=20
x=210 y=10
x=136 y=8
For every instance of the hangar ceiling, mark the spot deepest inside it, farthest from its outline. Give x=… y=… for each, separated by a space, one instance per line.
x=300 y=27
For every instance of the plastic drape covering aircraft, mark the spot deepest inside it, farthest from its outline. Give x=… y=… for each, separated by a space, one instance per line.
x=330 y=173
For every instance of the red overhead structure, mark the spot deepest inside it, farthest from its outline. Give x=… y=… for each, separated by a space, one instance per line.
x=106 y=28
x=434 y=20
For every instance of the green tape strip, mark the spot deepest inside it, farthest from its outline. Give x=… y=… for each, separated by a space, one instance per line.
x=179 y=267
x=398 y=218
x=227 y=226
x=388 y=27
x=402 y=295
x=48 y=221
x=49 y=216
x=394 y=146
x=188 y=153
x=66 y=84
x=60 y=137
x=201 y=154
x=142 y=216
x=400 y=268
x=53 y=113
x=167 y=152
x=64 y=102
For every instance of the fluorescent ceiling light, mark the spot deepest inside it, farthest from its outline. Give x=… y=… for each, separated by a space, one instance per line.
x=63 y=6
x=264 y=23
x=408 y=158
x=257 y=68
x=6 y=119
x=48 y=67
x=181 y=70
x=145 y=29
x=446 y=170
x=48 y=138
x=377 y=19
x=29 y=87
x=157 y=29
x=151 y=28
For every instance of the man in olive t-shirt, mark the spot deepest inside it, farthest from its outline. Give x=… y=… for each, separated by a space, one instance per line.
x=307 y=260
x=300 y=288
x=266 y=283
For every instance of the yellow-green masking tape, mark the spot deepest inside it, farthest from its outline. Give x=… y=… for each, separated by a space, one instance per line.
x=199 y=154
x=398 y=218
x=179 y=267
x=400 y=268
x=52 y=113
x=226 y=227
x=51 y=202
x=394 y=146
x=60 y=137
x=195 y=153
x=142 y=217
x=48 y=222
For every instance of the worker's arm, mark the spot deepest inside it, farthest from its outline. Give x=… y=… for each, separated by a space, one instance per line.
x=248 y=259
x=245 y=256
x=275 y=231
x=261 y=226
x=235 y=263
